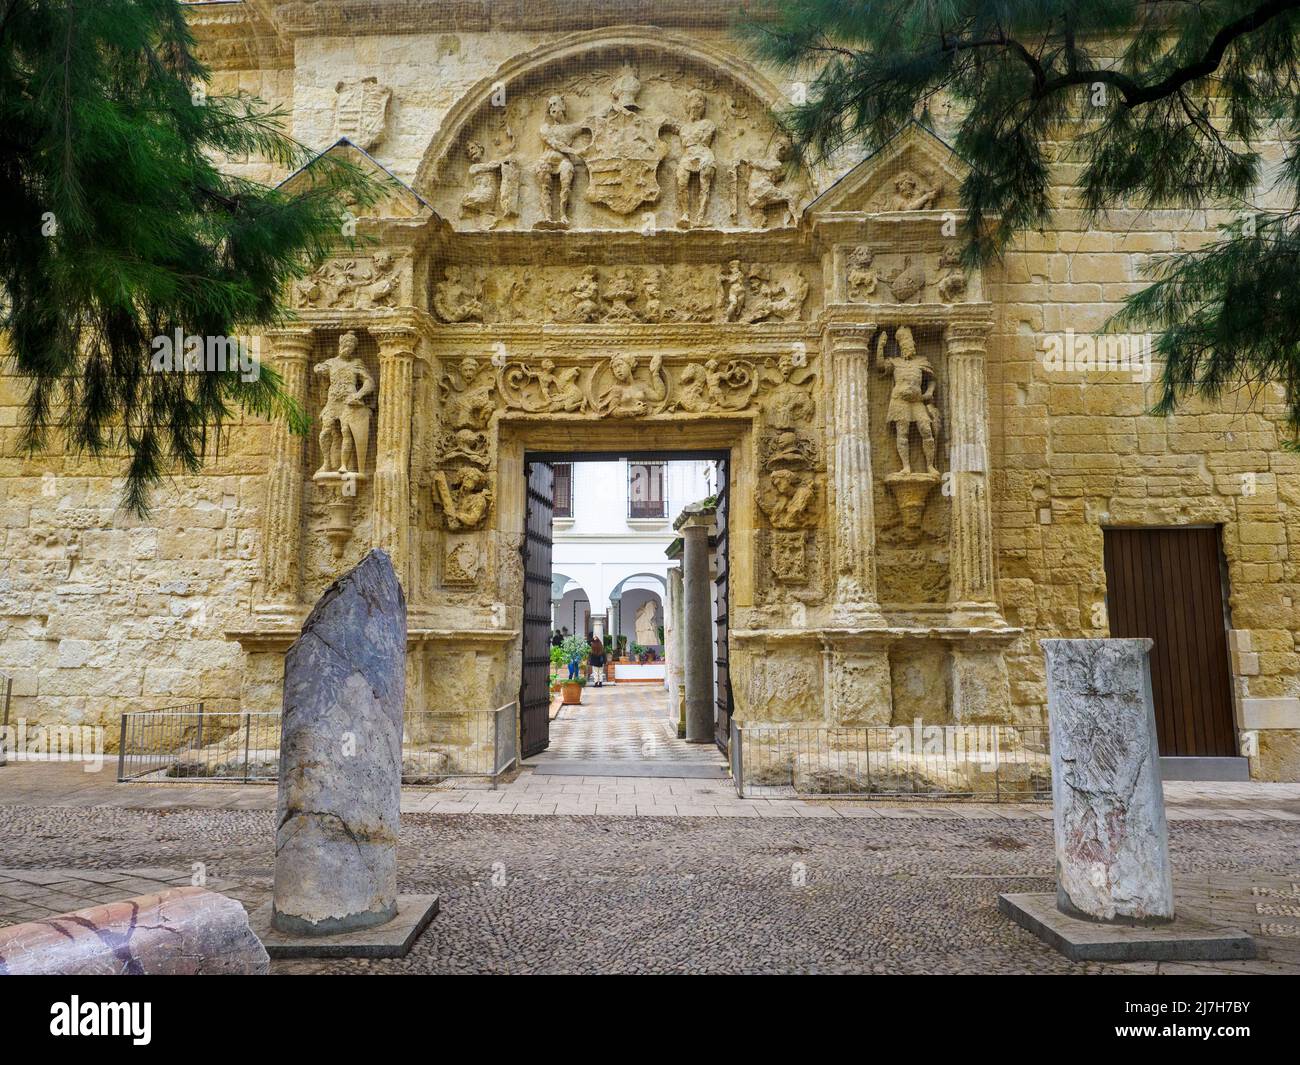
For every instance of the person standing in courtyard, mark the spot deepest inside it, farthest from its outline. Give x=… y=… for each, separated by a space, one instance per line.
x=597 y=660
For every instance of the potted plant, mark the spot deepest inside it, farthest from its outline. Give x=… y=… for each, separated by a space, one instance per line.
x=638 y=652
x=621 y=644
x=571 y=691
x=557 y=667
x=573 y=653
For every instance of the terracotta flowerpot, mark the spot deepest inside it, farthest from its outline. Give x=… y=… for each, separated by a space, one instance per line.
x=572 y=692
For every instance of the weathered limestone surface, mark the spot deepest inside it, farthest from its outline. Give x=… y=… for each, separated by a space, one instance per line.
x=1112 y=840
x=186 y=931
x=341 y=757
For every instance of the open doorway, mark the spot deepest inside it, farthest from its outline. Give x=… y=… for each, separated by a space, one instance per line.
x=597 y=532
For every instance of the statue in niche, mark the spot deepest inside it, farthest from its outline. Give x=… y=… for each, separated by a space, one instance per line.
x=628 y=396
x=345 y=417
x=625 y=150
x=910 y=193
x=465 y=495
x=911 y=400
x=710 y=386
x=789 y=498
x=790 y=404
x=767 y=187
x=697 y=160
x=466 y=392
x=493 y=186
x=647 y=633
x=952 y=285
x=860 y=279
x=555 y=167
x=458 y=298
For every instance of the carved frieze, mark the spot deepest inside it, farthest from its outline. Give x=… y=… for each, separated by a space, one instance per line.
x=358 y=283
x=875 y=275
x=464 y=496
x=909 y=191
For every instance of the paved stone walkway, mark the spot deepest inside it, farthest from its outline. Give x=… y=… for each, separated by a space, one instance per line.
x=621 y=722
x=627 y=894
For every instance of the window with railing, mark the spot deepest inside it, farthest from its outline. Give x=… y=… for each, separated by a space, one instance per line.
x=563 y=490
x=646 y=490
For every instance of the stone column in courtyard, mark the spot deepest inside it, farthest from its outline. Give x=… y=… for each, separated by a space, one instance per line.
x=290 y=351
x=673 y=672
x=853 y=520
x=970 y=560
x=695 y=525
x=1112 y=839
x=391 y=500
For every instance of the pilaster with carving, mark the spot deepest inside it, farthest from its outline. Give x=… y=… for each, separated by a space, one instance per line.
x=971 y=555
x=290 y=350
x=391 y=499
x=853 y=509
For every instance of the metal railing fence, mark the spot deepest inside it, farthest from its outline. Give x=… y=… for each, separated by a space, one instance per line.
x=988 y=763
x=193 y=744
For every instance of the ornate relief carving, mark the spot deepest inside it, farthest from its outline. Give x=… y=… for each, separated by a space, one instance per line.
x=355 y=284
x=860 y=279
x=493 y=186
x=629 y=391
x=909 y=282
x=361 y=111
x=459 y=296
x=789 y=401
x=465 y=391
x=789 y=557
x=790 y=498
x=554 y=169
x=909 y=192
x=716 y=386
x=462 y=561
x=952 y=283
x=696 y=161
x=625 y=150
x=464 y=494
x=767 y=186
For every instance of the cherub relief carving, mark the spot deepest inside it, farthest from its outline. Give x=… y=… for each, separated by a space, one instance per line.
x=714 y=386
x=353 y=284
x=542 y=389
x=466 y=393
x=493 y=186
x=465 y=496
x=459 y=297
x=789 y=403
x=912 y=399
x=952 y=285
x=767 y=300
x=345 y=417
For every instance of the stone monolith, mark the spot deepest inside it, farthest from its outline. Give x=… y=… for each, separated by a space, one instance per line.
x=341 y=758
x=1112 y=840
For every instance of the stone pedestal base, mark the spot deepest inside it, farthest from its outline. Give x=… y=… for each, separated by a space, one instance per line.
x=392 y=939
x=1182 y=939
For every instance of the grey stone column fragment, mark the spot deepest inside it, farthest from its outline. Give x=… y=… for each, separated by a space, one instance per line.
x=697 y=636
x=676 y=670
x=341 y=757
x=1112 y=840
x=187 y=931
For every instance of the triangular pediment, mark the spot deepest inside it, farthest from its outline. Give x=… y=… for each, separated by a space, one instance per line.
x=398 y=200
x=915 y=170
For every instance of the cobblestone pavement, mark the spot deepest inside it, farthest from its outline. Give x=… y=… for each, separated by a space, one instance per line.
x=621 y=722
x=683 y=894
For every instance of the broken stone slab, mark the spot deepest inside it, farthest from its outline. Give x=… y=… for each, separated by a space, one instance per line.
x=188 y=931
x=339 y=799
x=1108 y=807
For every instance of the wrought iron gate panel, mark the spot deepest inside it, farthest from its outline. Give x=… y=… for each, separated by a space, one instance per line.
x=534 y=690
x=722 y=672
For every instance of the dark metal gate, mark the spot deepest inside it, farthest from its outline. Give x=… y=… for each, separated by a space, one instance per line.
x=1167 y=584
x=722 y=672
x=534 y=690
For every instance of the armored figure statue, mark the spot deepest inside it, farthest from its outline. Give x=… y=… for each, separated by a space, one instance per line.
x=345 y=418
x=911 y=400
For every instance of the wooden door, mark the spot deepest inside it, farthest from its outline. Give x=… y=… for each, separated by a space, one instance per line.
x=1167 y=584
x=722 y=659
x=534 y=689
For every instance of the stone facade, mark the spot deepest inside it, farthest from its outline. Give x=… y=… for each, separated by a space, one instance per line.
x=592 y=237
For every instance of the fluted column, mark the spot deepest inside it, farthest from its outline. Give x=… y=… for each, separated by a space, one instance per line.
x=853 y=508
x=290 y=351
x=391 y=500
x=971 y=554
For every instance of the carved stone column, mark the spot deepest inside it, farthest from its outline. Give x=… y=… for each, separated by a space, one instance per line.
x=853 y=508
x=391 y=501
x=971 y=545
x=290 y=351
